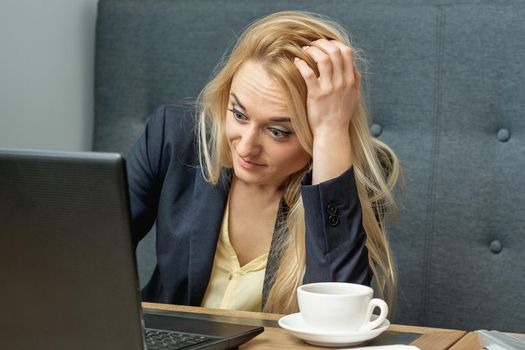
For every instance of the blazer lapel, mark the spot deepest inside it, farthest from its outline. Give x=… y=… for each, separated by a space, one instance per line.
x=274 y=256
x=209 y=210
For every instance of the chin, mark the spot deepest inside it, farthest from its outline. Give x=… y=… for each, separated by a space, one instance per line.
x=247 y=176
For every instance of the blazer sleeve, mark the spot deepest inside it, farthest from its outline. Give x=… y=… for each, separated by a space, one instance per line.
x=144 y=183
x=335 y=236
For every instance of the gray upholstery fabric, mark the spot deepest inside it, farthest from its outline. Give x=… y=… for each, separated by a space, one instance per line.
x=445 y=82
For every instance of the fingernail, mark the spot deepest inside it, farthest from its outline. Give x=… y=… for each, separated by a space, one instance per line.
x=305 y=47
x=296 y=59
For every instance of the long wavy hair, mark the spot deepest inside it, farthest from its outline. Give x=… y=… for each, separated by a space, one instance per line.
x=274 y=41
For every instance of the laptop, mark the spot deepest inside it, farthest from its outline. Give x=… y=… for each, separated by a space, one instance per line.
x=68 y=278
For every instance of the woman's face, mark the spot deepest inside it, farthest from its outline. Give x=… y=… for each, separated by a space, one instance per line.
x=264 y=147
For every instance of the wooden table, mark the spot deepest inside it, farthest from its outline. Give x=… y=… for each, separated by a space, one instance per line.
x=274 y=337
x=469 y=342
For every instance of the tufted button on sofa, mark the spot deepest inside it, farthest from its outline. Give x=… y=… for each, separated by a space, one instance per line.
x=496 y=247
x=445 y=78
x=376 y=130
x=504 y=135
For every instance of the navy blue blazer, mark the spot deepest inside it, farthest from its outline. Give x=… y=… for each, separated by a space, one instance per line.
x=166 y=186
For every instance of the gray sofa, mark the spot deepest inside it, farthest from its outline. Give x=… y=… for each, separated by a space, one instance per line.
x=446 y=90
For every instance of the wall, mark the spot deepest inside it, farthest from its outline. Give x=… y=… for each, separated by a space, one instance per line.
x=46 y=73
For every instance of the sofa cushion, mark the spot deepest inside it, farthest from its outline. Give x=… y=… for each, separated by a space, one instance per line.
x=444 y=84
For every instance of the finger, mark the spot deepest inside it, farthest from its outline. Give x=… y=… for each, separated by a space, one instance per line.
x=349 y=67
x=357 y=79
x=336 y=58
x=308 y=75
x=324 y=64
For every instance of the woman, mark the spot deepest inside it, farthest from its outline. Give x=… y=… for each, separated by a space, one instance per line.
x=273 y=183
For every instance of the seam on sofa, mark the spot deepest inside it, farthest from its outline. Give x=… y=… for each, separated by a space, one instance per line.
x=430 y=217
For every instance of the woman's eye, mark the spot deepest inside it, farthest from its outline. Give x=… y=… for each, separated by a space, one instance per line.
x=279 y=134
x=236 y=114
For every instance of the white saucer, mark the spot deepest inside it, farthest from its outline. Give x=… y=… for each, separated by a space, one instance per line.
x=295 y=324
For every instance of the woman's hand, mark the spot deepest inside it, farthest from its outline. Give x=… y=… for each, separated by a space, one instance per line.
x=331 y=100
x=333 y=96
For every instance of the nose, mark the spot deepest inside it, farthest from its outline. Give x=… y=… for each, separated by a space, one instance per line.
x=249 y=143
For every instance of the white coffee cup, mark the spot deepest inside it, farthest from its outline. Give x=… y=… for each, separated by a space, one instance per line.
x=335 y=307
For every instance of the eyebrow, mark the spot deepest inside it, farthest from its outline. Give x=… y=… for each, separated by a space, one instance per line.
x=273 y=119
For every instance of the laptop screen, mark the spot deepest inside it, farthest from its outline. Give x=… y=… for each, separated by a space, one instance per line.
x=67 y=265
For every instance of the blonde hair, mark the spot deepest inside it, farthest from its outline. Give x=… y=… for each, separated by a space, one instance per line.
x=274 y=41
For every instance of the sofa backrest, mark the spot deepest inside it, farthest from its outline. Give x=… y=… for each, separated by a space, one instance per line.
x=446 y=90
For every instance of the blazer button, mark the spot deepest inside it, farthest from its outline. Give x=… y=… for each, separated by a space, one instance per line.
x=331 y=208
x=333 y=220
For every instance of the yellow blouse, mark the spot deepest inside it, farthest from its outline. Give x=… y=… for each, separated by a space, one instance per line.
x=231 y=286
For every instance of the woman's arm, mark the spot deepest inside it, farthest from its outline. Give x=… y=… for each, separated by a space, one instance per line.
x=335 y=237
x=143 y=165
x=331 y=100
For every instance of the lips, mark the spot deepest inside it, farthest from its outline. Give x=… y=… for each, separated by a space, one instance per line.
x=245 y=163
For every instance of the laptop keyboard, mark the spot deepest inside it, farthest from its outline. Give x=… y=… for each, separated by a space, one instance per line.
x=160 y=339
